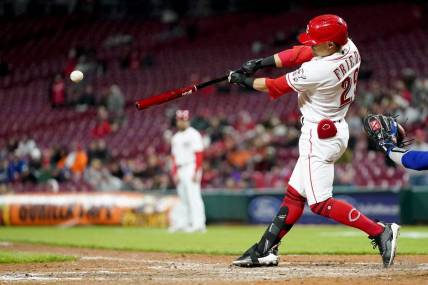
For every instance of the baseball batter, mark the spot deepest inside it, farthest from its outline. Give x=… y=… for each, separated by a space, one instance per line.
x=326 y=84
x=187 y=153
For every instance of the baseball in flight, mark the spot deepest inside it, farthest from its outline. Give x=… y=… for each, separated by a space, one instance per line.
x=76 y=76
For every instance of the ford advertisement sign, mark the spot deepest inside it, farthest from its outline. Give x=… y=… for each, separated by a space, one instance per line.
x=262 y=209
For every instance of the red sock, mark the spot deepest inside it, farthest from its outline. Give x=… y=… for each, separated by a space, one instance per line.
x=346 y=214
x=295 y=204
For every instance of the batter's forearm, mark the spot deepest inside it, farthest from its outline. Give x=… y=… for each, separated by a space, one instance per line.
x=259 y=84
x=271 y=61
x=287 y=58
x=278 y=62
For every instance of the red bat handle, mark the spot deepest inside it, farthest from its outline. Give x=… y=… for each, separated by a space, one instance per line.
x=165 y=97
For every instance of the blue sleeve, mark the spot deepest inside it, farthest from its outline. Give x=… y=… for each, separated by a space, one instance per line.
x=417 y=160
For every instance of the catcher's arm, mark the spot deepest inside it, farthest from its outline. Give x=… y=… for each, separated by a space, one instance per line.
x=411 y=159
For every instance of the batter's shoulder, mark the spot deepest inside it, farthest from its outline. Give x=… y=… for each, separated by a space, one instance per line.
x=315 y=69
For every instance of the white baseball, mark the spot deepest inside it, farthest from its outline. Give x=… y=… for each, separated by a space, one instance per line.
x=76 y=76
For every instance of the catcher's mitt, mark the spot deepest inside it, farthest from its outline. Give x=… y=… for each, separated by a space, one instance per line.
x=384 y=131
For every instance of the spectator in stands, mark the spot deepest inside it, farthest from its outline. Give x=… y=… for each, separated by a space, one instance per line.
x=420 y=95
x=265 y=159
x=87 y=63
x=71 y=62
x=57 y=162
x=215 y=129
x=77 y=160
x=200 y=122
x=57 y=96
x=27 y=148
x=102 y=126
x=115 y=106
x=153 y=167
x=279 y=39
x=122 y=171
x=98 y=150
x=344 y=177
x=117 y=169
x=419 y=178
x=45 y=171
x=100 y=178
x=257 y=47
x=16 y=167
x=52 y=186
x=12 y=145
x=132 y=60
x=4 y=176
x=239 y=156
x=86 y=99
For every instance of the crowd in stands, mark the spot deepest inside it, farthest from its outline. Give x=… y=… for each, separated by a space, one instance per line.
x=239 y=154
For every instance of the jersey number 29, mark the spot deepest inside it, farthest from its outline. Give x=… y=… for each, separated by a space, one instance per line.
x=345 y=97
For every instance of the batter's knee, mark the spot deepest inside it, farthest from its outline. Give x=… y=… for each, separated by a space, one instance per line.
x=323 y=208
x=293 y=197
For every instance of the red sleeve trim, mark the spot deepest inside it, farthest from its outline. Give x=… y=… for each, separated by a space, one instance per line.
x=295 y=56
x=278 y=87
x=198 y=159
x=174 y=167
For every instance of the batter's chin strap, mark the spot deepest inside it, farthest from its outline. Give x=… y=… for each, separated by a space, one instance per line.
x=272 y=235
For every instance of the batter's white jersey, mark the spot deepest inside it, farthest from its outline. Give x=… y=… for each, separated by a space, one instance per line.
x=326 y=85
x=185 y=144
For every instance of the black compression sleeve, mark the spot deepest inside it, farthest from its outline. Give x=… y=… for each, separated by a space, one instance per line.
x=268 y=61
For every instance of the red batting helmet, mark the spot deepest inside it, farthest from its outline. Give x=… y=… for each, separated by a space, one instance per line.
x=325 y=28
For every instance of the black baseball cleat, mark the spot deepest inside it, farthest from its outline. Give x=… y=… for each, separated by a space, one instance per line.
x=387 y=243
x=252 y=258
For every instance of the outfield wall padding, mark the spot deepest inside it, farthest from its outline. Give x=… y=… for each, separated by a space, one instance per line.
x=414 y=205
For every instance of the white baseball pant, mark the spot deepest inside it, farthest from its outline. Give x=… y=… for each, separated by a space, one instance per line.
x=190 y=212
x=313 y=174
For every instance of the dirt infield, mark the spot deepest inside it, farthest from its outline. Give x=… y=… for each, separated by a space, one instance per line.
x=124 y=267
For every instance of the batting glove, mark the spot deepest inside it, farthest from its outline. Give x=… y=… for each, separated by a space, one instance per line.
x=238 y=77
x=251 y=66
